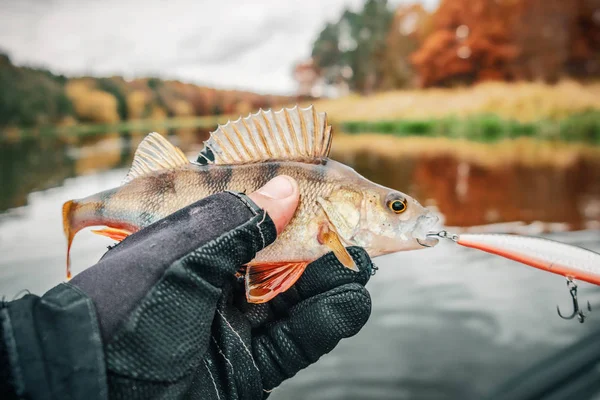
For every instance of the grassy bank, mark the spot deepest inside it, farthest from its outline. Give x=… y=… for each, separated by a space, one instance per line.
x=580 y=128
x=583 y=128
x=82 y=130
x=523 y=102
x=490 y=112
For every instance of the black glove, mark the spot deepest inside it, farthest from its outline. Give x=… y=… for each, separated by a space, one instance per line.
x=174 y=319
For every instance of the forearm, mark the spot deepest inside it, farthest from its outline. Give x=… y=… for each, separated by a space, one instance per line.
x=51 y=347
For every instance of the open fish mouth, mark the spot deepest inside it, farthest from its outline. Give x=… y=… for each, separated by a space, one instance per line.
x=423 y=226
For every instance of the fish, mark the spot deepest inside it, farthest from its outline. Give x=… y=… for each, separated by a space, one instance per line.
x=572 y=262
x=338 y=207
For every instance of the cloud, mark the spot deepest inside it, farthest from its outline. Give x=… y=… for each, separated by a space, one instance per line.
x=223 y=43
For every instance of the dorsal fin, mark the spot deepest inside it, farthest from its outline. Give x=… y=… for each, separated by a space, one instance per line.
x=155 y=153
x=289 y=134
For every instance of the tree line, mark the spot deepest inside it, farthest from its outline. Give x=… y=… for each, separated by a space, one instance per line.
x=462 y=42
x=32 y=97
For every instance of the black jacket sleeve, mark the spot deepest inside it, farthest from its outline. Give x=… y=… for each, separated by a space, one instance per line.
x=50 y=347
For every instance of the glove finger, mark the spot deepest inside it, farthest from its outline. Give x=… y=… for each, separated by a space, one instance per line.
x=314 y=327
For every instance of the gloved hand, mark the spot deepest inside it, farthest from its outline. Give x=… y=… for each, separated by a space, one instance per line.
x=174 y=319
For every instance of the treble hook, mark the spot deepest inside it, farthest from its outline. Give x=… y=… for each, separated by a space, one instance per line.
x=576 y=311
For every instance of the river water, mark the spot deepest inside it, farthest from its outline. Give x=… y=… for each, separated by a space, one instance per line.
x=447 y=322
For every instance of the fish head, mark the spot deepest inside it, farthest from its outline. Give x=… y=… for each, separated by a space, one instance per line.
x=395 y=221
x=381 y=220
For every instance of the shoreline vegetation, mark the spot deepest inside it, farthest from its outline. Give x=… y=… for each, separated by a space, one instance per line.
x=490 y=128
x=86 y=130
x=488 y=112
x=581 y=128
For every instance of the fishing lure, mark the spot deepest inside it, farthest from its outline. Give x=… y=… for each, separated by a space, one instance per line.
x=570 y=261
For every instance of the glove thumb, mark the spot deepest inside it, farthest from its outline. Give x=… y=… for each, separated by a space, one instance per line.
x=279 y=197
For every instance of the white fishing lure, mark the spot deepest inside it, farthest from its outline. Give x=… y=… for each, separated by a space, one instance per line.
x=570 y=261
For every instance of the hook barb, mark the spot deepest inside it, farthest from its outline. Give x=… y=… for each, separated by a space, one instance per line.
x=576 y=310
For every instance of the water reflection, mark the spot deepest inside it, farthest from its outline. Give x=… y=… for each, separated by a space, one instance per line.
x=36 y=164
x=447 y=322
x=31 y=165
x=469 y=193
x=466 y=192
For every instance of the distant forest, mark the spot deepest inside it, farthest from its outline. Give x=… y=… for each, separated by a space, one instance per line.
x=375 y=49
x=460 y=43
x=33 y=97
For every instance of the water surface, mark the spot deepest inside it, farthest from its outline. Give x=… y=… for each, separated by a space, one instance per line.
x=447 y=322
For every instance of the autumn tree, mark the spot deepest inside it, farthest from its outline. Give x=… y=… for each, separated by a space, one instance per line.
x=91 y=104
x=584 y=48
x=347 y=50
x=471 y=41
x=30 y=97
x=542 y=34
x=476 y=40
x=408 y=30
x=117 y=87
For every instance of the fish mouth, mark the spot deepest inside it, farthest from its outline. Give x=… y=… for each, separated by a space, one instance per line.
x=422 y=227
x=429 y=242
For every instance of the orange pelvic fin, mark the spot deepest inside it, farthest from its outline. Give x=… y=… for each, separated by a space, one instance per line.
x=67 y=212
x=113 y=233
x=266 y=280
x=331 y=239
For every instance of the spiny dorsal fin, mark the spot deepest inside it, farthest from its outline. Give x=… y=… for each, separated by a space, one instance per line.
x=289 y=134
x=155 y=153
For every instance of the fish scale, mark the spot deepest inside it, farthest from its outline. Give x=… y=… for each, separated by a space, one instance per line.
x=337 y=207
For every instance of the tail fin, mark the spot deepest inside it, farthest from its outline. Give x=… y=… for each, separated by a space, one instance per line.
x=68 y=210
x=83 y=213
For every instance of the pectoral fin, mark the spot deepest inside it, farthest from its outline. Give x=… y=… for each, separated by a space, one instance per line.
x=113 y=233
x=331 y=239
x=266 y=280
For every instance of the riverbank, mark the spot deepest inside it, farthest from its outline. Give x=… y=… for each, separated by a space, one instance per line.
x=579 y=128
x=490 y=112
x=583 y=128
x=521 y=101
x=87 y=130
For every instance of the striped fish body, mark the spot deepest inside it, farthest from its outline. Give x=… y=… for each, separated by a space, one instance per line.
x=337 y=208
x=150 y=198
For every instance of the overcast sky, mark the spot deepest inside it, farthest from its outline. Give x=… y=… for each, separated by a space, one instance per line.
x=221 y=43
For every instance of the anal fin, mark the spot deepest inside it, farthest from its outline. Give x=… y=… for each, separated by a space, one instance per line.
x=266 y=280
x=113 y=233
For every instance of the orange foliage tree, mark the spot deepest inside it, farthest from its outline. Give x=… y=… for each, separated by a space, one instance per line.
x=584 y=50
x=471 y=41
x=408 y=30
x=477 y=40
x=91 y=104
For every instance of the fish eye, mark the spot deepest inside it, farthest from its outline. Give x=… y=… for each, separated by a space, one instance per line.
x=398 y=206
